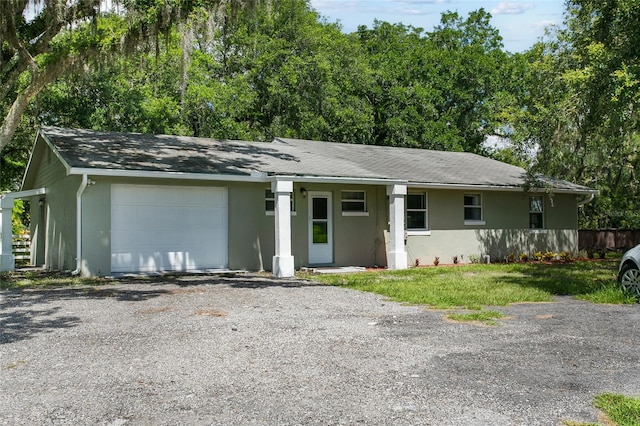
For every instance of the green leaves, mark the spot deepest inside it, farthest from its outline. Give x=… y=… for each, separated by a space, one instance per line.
x=277 y=69
x=436 y=90
x=580 y=107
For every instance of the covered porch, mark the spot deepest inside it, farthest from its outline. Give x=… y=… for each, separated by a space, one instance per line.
x=283 y=264
x=7 y=201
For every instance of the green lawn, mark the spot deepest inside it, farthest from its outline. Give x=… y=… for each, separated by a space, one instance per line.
x=474 y=286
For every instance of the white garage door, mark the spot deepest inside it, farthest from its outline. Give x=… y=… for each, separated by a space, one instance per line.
x=168 y=228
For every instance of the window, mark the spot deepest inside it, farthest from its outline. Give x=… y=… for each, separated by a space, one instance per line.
x=536 y=212
x=473 y=208
x=354 y=203
x=270 y=202
x=417 y=211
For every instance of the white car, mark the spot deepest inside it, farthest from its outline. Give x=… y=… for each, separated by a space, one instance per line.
x=629 y=271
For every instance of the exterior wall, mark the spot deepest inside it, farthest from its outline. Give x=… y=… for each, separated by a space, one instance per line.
x=496 y=243
x=96 y=228
x=505 y=229
x=251 y=231
x=61 y=224
x=357 y=239
x=53 y=224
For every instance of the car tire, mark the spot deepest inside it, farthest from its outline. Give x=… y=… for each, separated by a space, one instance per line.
x=629 y=279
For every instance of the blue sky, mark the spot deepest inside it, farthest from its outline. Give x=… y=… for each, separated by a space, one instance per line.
x=521 y=23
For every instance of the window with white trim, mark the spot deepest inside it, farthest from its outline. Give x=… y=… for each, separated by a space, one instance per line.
x=417 y=218
x=536 y=212
x=270 y=202
x=354 y=203
x=473 y=208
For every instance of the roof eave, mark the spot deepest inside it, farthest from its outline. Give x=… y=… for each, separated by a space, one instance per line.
x=341 y=180
x=53 y=148
x=264 y=177
x=159 y=174
x=40 y=133
x=504 y=188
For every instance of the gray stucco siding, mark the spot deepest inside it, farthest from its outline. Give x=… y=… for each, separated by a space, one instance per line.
x=500 y=210
x=53 y=225
x=497 y=243
x=251 y=233
x=96 y=228
x=505 y=228
x=561 y=211
x=356 y=238
x=60 y=209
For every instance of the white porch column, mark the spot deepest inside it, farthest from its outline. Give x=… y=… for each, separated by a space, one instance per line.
x=397 y=256
x=7 y=262
x=283 y=265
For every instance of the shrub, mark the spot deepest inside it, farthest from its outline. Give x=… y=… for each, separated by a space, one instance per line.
x=549 y=255
x=524 y=257
x=511 y=258
x=537 y=256
x=565 y=256
x=474 y=258
x=436 y=261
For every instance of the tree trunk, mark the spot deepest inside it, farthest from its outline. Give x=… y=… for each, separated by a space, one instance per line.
x=39 y=81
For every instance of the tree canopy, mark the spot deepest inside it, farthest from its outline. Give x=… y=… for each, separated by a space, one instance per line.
x=254 y=70
x=42 y=41
x=579 y=110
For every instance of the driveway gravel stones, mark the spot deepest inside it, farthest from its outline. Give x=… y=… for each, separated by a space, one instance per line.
x=253 y=350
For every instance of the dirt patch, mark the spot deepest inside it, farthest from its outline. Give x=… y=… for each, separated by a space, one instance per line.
x=186 y=291
x=157 y=310
x=211 y=313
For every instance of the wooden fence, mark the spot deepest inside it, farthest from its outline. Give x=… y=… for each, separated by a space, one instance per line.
x=601 y=240
x=21 y=248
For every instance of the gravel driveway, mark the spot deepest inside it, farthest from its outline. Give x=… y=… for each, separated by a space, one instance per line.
x=250 y=350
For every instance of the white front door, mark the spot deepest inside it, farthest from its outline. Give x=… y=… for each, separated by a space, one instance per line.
x=320 y=228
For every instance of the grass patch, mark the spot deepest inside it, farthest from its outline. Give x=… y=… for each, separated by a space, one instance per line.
x=474 y=286
x=30 y=279
x=482 y=316
x=618 y=410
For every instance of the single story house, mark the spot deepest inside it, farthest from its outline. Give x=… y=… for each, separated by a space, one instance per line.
x=105 y=203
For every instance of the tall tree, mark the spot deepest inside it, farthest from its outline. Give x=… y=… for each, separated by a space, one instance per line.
x=439 y=89
x=42 y=40
x=581 y=106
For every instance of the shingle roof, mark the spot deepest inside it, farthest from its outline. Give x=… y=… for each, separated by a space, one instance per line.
x=88 y=149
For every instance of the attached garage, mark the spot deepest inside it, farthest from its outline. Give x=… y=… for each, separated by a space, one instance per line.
x=168 y=228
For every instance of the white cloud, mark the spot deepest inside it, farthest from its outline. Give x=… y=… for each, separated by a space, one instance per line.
x=511 y=8
x=545 y=24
